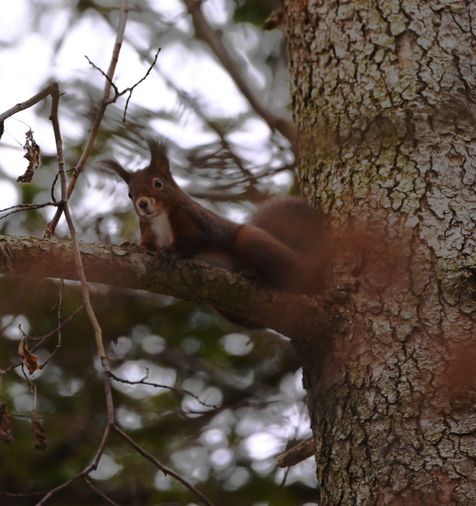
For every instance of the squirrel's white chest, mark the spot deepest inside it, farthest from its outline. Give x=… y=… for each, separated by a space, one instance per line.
x=163 y=235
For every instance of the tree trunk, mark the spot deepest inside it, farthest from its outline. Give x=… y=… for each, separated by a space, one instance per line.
x=383 y=97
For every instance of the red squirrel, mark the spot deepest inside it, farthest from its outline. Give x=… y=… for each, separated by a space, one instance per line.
x=277 y=246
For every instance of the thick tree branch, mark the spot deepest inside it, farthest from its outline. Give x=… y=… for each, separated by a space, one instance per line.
x=299 y=317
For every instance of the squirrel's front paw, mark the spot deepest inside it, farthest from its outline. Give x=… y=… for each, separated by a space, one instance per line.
x=164 y=259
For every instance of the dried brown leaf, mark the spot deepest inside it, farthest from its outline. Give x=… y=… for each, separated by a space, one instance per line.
x=32 y=154
x=30 y=361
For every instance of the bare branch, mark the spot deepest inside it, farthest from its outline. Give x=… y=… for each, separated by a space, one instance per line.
x=182 y=391
x=41 y=339
x=21 y=106
x=60 y=312
x=131 y=89
x=108 y=79
x=166 y=470
x=93 y=131
x=84 y=472
x=24 y=207
x=210 y=36
x=33 y=152
x=100 y=493
x=77 y=258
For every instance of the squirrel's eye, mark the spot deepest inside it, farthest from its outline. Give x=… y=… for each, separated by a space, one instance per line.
x=129 y=195
x=158 y=184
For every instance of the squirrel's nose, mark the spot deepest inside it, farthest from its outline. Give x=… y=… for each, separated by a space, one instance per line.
x=142 y=203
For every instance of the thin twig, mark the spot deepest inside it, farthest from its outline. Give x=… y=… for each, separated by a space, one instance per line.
x=193 y=104
x=85 y=293
x=58 y=329
x=90 y=467
x=143 y=381
x=59 y=326
x=93 y=131
x=166 y=470
x=99 y=492
x=52 y=189
x=51 y=89
x=60 y=311
x=78 y=261
x=20 y=494
x=108 y=79
x=24 y=207
x=21 y=106
x=131 y=89
x=213 y=125
x=252 y=192
x=40 y=339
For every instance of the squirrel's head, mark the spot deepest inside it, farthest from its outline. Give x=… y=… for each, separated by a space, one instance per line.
x=152 y=190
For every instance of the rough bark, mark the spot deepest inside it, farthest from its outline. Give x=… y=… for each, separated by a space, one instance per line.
x=190 y=280
x=383 y=97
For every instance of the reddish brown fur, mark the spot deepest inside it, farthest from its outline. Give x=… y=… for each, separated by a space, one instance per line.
x=276 y=247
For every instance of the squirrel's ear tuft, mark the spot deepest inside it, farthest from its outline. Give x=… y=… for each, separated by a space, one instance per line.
x=117 y=168
x=158 y=155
